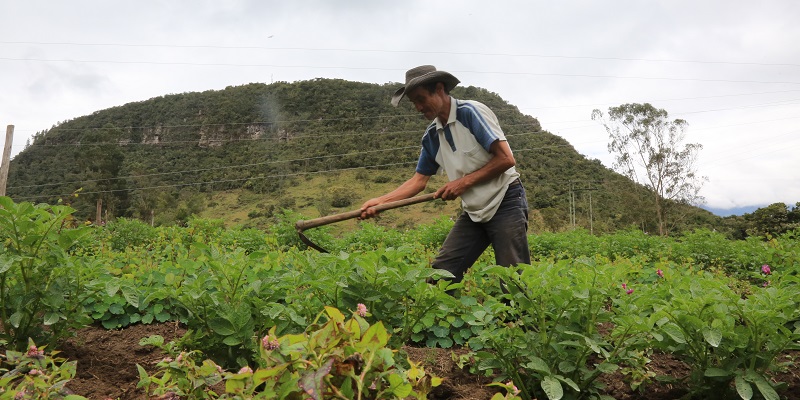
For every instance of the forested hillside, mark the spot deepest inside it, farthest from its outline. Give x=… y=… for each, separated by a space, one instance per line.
x=313 y=147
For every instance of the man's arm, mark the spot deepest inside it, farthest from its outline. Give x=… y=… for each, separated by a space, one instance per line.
x=502 y=160
x=407 y=189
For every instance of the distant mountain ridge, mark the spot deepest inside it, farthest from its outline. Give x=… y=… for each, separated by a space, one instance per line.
x=727 y=212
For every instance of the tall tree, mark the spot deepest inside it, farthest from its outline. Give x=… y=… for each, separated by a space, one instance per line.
x=649 y=149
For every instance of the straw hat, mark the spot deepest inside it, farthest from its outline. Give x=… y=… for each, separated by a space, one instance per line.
x=423 y=74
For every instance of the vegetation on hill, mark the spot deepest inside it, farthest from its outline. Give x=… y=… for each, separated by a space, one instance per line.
x=316 y=147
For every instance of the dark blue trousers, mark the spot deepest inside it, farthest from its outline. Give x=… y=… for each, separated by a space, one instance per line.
x=507 y=232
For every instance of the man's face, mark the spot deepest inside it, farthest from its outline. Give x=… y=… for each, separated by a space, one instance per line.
x=429 y=104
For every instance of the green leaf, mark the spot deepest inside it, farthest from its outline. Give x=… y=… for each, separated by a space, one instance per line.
x=716 y=372
x=765 y=388
x=116 y=309
x=607 y=367
x=51 y=318
x=6 y=262
x=152 y=340
x=15 y=319
x=712 y=336
x=440 y=331
x=489 y=363
x=569 y=383
x=674 y=332
x=581 y=294
x=111 y=323
x=334 y=314
x=743 y=388
x=131 y=295
x=221 y=326
x=403 y=390
x=538 y=365
x=552 y=388
x=144 y=378
x=231 y=341
x=566 y=366
x=375 y=337
x=162 y=317
x=112 y=287
x=445 y=343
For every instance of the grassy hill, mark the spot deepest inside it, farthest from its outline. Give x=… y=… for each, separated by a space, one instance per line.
x=315 y=147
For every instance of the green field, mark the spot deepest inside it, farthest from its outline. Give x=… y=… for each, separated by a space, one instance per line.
x=272 y=319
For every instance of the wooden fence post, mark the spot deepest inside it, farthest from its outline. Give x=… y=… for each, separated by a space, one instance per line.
x=6 y=159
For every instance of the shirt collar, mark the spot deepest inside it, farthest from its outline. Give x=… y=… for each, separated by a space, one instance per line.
x=450 y=118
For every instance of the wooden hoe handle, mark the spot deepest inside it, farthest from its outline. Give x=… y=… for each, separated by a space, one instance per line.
x=313 y=223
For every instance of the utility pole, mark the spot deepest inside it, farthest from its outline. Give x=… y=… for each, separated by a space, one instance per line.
x=572 y=203
x=571 y=206
x=591 y=216
x=6 y=159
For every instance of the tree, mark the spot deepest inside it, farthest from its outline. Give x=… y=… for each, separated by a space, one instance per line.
x=648 y=149
x=774 y=219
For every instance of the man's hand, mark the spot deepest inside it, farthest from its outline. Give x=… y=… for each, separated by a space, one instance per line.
x=501 y=160
x=366 y=209
x=408 y=189
x=452 y=190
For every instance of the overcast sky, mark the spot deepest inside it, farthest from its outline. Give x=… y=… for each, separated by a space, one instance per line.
x=730 y=68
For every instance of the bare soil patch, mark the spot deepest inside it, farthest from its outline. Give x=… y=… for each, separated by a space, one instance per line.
x=107 y=368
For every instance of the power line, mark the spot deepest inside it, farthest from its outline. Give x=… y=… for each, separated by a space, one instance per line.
x=663 y=100
x=326 y=67
x=261 y=163
x=436 y=52
x=254 y=165
x=498 y=111
x=213 y=169
x=219 y=141
x=220 y=181
x=305 y=136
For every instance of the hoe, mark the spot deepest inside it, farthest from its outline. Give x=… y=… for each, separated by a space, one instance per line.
x=302 y=225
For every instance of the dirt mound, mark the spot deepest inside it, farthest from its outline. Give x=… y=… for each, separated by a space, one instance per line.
x=107 y=359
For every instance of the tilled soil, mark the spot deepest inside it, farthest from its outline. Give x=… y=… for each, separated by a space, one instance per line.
x=107 y=362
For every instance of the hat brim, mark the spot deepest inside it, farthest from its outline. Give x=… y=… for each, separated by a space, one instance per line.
x=446 y=78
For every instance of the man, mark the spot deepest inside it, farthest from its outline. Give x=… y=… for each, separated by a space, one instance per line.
x=465 y=140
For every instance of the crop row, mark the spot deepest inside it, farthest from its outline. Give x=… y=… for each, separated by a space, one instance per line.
x=553 y=328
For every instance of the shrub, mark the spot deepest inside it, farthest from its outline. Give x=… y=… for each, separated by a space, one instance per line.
x=126 y=233
x=40 y=284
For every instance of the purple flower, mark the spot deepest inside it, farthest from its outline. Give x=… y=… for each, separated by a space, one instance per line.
x=269 y=344
x=624 y=285
x=246 y=370
x=629 y=291
x=514 y=390
x=766 y=270
x=35 y=372
x=361 y=310
x=660 y=273
x=34 y=352
x=766 y=283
